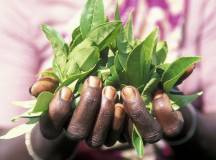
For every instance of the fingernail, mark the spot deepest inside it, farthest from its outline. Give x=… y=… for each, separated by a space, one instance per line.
x=94 y=81
x=190 y=69
x=109 y=92
x=129 y=92
x=48 y=79
x=30 y=89
x=66 y=94
x=158 y=95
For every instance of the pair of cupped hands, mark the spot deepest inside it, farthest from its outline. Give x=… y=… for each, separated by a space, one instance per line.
x=100 y=120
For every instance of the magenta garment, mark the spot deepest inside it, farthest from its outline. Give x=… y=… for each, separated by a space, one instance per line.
x=24 y=50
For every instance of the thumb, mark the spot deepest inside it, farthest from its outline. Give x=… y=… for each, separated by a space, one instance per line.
x=45 y=82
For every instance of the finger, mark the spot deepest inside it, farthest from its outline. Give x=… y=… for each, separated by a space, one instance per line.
x=148 y=127
x=104 y=118
x=117 y=125
x=124 y=133
x=186 y=74
x=127 y=132
x=170 y=121
x=85 y=113
x=43 y=84
x=60 y=110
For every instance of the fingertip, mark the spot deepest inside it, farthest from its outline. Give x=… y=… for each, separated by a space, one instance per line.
x=175 y=129
x=66 y=94
x=135 y=108
x=161 y=102
x=129 y=93
x=158 y=94
x=53 y=122
x=43 y=84
x=94 y=81
x=60 y=104
x=109 y=92
x=171 y=121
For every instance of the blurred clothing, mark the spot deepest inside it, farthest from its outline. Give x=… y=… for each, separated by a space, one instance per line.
x=187 y=25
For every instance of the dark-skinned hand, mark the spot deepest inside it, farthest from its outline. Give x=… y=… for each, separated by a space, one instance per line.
x=98 y=118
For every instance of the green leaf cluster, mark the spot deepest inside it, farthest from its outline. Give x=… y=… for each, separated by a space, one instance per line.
x=108 y=49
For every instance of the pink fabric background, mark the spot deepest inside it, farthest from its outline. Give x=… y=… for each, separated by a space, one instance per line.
x=24 y=50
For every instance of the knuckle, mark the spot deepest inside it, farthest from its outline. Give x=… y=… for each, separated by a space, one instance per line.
x=95 y=141
x=76 y=132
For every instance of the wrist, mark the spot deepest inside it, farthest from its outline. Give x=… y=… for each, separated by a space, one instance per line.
x=29 y=146
x=58 y=148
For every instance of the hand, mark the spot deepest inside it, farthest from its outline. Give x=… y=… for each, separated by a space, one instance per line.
x=95 y=115
x=100 y=121
x=48 y=140
x=166 y=120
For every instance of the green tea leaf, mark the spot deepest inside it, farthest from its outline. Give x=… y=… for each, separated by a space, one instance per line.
x=113 y=78
x=120 y=70
x=76 y=33
x=76 y=38
x=150 y=44
x=135 y=66
x=60 y=49
x=117 y=63
x=151 y=85
x=18 y=131
x=36 y=107
x=75 y=77
x=175 y=107
x=76 y=41
x=137 y=142
x=123 y=47
x=84 y=56
x=104 y=34
x=123 y=40
x=103 y=73
x=71 y=68
x=160 y=69
x=149 y=107
x=123 y=60
x=139 y=60
x=176 y=70
x=117 y=16
x=183 y=100
x=43 y=101
x=28 y=114
x=92 y=16
x=163 y=66
x=25 y=104
x=161 y=52
x=129 y=29
x=114 y=73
